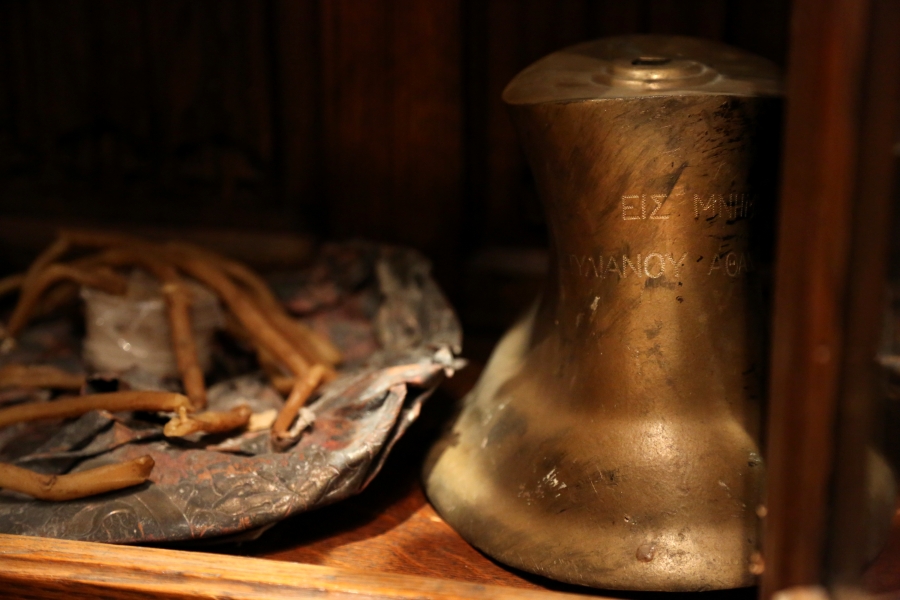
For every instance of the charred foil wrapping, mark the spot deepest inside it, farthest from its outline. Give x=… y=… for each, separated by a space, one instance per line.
x=400 y=338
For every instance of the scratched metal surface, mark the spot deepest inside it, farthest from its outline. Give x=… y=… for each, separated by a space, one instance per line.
x=400 y=336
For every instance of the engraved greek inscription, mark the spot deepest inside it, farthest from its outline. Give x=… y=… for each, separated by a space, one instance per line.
x=742 y=205
x=627 y=264
x=736 y=203
x=735 y=206
x=575 y=264
x=644 y=207
x=659 y=259
x=658 y=201
x=747 y=206
x=613 y=267
x=627 y=208
x=731 y=264
x=586 y=266
x=676 y=264
x=727 y=207
x=709 y=205
x=640 y=207
x=653 y=265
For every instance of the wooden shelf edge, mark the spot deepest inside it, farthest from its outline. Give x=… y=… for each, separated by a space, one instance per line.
x=47 y=568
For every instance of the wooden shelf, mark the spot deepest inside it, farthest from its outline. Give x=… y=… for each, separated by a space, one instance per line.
x=387 y=542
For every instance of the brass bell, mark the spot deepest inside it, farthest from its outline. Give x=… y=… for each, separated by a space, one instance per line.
x=614 y=437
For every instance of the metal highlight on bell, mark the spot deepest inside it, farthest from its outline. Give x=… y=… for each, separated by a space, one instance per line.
x=614 y=437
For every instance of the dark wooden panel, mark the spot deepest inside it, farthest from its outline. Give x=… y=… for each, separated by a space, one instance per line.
x=138 y=111
x=502 y=206
x=392 y=120
x=297 y=108
x=861 y=399
x=345 y=117
x=813 y=274
x=701 y=18
x=216 y=112
x=612 y=17
x=760 y=26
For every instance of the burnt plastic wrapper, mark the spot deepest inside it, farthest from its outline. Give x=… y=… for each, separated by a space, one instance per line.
x=132 y=331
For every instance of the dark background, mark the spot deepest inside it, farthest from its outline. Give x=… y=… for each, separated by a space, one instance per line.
x=337 y=118
x=382 y=119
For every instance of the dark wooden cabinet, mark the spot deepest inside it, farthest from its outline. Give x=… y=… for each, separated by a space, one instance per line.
x=375 y=118
x=382 y=119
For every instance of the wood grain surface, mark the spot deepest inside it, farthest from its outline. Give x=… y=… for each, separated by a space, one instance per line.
x=41 y=568
x=836 y=196
x=391 y=528
x=376 y=118
x=387 y=542
x=807 y=324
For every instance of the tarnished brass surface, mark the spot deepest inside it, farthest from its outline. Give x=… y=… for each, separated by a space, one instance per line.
x=613 y=439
